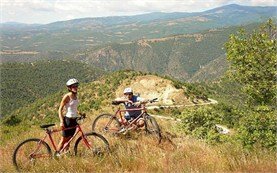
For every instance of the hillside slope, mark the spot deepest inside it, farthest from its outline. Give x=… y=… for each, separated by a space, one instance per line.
x=213 y=71
x=97 y=96
x=178 y=56
x=134 y=152
x=23 y=83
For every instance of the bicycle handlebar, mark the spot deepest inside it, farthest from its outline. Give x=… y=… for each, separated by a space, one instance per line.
x=153 y=100
x=82 y=116
x=119 y=102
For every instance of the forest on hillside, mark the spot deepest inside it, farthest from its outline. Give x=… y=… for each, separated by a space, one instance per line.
x=24 y=83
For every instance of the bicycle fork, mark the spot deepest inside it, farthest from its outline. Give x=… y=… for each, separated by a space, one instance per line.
x=35 y=154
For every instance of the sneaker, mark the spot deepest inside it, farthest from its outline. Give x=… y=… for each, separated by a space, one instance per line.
x=57 y=155
x=122 y=130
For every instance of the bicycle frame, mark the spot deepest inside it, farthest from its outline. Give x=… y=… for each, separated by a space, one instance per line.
x=119 y=112
x=49 y=135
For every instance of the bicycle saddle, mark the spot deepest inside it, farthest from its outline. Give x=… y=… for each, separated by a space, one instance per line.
x=46 y=126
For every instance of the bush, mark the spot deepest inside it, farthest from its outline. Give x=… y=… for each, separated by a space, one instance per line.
x=229 y=115
x=12 y=121
x=201 y=123
x=258 y=128
x=252 y=128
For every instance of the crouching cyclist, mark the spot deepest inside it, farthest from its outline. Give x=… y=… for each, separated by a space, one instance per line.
x=132 y=101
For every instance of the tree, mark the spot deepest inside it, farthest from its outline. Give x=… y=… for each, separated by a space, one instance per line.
x=253 y=62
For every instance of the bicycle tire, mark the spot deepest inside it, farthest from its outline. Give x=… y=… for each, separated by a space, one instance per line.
x=21 y=156
x=152 y=128
x=99 y=146
x=105 y=124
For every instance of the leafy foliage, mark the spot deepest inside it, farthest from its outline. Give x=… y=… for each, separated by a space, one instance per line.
x=201 y=122
x=253 y=63
x=258 y=128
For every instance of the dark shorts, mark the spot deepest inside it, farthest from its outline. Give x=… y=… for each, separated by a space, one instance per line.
x=69 y=122
x=129 y=117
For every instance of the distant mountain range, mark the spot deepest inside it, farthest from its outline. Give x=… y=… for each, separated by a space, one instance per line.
x=86 y=32
x=177 y=44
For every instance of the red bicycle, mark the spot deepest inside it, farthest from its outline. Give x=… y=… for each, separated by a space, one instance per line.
x=108 y=123
x=34 y=151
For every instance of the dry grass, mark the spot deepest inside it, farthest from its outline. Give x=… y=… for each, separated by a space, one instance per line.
x=136 y=152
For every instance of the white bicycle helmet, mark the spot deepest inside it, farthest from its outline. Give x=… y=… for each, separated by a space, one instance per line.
x=128 y=90
x=71 y=82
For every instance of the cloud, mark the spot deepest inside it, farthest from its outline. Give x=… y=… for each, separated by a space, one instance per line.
x=40 y=6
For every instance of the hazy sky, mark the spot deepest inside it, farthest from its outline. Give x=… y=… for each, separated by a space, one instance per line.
x=47 y=11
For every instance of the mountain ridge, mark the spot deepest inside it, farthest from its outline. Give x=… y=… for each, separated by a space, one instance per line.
x=87 y=32
x=158 y=15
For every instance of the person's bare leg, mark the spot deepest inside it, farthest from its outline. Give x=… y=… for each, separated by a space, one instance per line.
x=62 y=142
x=140 y=122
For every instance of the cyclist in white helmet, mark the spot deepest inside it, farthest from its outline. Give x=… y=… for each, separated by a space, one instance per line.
x=69 y=103
x=132 y=101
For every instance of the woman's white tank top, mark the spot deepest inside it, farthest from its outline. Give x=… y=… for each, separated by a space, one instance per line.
x=71 y=108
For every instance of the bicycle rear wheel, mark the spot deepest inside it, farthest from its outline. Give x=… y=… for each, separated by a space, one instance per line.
x=30 y=153
x=95 y=145
x=106 y=123
x=152 y=128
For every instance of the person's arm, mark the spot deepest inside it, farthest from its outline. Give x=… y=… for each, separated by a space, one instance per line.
x=123 y=100
x=141 y=101
x=144 y=101
x=65 y=100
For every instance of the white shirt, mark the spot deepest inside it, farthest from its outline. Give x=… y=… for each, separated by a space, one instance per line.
x=71 y=108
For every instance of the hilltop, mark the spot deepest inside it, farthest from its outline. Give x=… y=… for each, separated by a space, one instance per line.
x=151 y=86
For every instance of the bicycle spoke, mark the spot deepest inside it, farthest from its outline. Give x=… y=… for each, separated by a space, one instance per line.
x=30 y=153
x=105 y=123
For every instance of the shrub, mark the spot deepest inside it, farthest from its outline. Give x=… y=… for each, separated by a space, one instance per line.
x=12 y=121
x=258 y=128
x=201 y=123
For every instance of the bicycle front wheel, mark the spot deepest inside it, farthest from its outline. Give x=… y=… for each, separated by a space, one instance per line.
x=30 y=153
x=106 y=123
x=92 y=145
x=152 y=128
